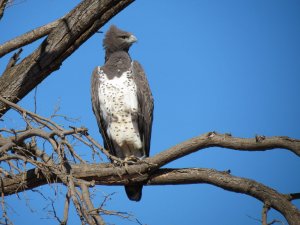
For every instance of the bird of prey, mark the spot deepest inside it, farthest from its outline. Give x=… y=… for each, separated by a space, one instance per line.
x=122 y=102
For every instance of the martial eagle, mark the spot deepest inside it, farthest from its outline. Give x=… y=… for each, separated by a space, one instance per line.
x=122 y=102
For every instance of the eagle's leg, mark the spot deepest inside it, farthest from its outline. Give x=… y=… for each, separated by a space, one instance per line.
x=129 y=160
x=132 y=159
x=131 y=154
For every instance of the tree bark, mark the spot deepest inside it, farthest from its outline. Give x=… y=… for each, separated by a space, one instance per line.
x=2 y=7
x=147 y=171
x=71 y=31
x=27 y=38
x=65 y=35
x=106 y=174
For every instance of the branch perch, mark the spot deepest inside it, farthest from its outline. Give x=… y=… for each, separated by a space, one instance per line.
x=15 y=146
x=106 y=174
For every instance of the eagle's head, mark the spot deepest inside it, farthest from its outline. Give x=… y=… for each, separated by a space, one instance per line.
x=118 y=40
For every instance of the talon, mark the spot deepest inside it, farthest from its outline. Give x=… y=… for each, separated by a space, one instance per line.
x=132 y=159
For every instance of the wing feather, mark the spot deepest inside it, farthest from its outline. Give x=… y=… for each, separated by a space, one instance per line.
x=146 y=105
x=95 y=84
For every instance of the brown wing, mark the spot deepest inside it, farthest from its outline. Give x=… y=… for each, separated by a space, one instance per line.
x=95 y=83
x=146 y=105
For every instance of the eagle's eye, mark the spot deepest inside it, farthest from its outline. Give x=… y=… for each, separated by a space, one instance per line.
x=123 y=37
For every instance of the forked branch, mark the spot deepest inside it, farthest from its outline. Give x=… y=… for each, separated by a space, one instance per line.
x=17 y=146
x=64 y=37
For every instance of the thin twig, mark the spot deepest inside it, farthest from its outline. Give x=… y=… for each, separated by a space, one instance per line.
x=66 y=209
x=87 y=199
x=13 y=60
x=265 y=210
x=293 y=196
x=2 y=7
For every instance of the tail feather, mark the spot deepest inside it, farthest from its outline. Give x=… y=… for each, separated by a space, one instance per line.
x=134 y=192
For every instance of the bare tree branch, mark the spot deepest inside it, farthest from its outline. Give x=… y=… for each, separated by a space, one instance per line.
x=15 y=148
x=19 y=147
x=264 y=220
x=4 y=213
x=87 y=199
x=2 y=7
x=66 y=209
x=231 y=183
x=72 y=31
x=155 y=162
x=265 y=210
x=27 y=38
x=213 y=139
x=108 y=175
x=13 y=60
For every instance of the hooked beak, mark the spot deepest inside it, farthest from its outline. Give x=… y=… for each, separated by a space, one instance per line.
x=132 y=39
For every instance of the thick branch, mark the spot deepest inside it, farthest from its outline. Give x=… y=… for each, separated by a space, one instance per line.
x=106 y=174
x=13 y=60
x=27 y=38
x=72 y=31
x=231 y=183
x=213 y=139
x=147 y=171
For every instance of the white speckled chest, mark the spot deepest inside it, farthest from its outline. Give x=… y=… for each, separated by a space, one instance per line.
x=119 y=106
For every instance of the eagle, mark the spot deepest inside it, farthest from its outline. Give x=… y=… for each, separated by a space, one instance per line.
x=122 y=103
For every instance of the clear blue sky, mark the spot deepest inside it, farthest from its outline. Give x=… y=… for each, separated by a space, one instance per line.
x=213 y=65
